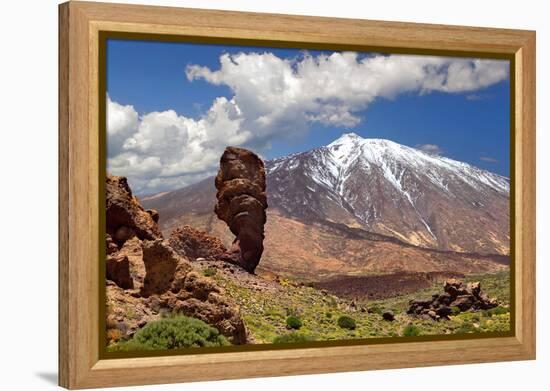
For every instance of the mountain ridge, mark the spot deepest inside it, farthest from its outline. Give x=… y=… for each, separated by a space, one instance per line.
x=385 y=193
x=382 y=185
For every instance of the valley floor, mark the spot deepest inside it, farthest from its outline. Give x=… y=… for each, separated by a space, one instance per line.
x=265 y=306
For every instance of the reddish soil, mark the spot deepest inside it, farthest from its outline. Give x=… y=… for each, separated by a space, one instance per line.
x=382 y=286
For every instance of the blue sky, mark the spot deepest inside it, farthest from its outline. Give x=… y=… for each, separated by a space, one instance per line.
x=190 y=97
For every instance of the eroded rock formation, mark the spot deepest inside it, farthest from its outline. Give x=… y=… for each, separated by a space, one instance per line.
x=193 y=243
x=118 y=270
x=160 y=266
x=456 y=297
x=147 y=278
x=125 y=215
x=241 y=203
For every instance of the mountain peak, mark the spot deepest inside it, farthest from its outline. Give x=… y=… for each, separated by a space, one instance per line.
x=349 y=136
x=346 y=138
x=354 y=138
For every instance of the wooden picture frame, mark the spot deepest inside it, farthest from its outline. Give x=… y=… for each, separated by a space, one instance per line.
x=80 y=27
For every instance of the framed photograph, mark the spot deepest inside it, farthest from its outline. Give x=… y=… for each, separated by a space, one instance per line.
x=246 y=195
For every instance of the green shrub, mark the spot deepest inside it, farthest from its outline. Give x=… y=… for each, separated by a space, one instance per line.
x=292 y=338
x=328 y=315
x=174 y=333
x=292 y=322
x=346 y=322
x=455 y=310
x=411 y=331
x=209 y=272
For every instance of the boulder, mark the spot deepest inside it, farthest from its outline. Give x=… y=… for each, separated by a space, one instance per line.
x=241 y=204
x=219 y=313
x=485 y=303
x=444 y=311
x=132 y=250
x=474 y=288
x=118 y=271
x=160 y=263
x=464 y=302
x=454 y=295
x=200 y=286
x=124 y=210
x=388 y=315
x=417 y=306
x=445 y=298
x=195 y=244
x=452 y=287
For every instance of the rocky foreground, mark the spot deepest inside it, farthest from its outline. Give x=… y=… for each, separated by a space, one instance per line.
x=148 y=278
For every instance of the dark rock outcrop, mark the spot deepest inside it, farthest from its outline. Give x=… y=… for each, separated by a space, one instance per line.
x=241 y=203
x=388 y=315
x=456 y=297
x=193 y=243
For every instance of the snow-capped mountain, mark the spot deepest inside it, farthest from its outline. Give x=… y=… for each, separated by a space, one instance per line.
x=391 y=189
x=375 y=185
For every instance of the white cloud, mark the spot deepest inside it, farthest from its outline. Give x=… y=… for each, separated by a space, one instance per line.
x=122 y=122
x=432 y=149
x=334 y=89
x=272 y=98
x=163 y=150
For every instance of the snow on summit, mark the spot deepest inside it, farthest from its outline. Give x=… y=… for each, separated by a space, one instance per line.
x=395 y=190
x=394 y=158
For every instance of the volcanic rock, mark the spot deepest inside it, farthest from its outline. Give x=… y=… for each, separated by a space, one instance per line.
x=118 y=271
x=475 y=288
x=195 y=244
x=440 y=306
x=110 y=245
x=147 y=278
x=241 y=203
x=444 y=311
x=123 y=233
x=161 y=262
x=154 y=214
x=388 y=315
x=444 y=298
x=464 y=302
x=133 y=251
x=124 y=210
